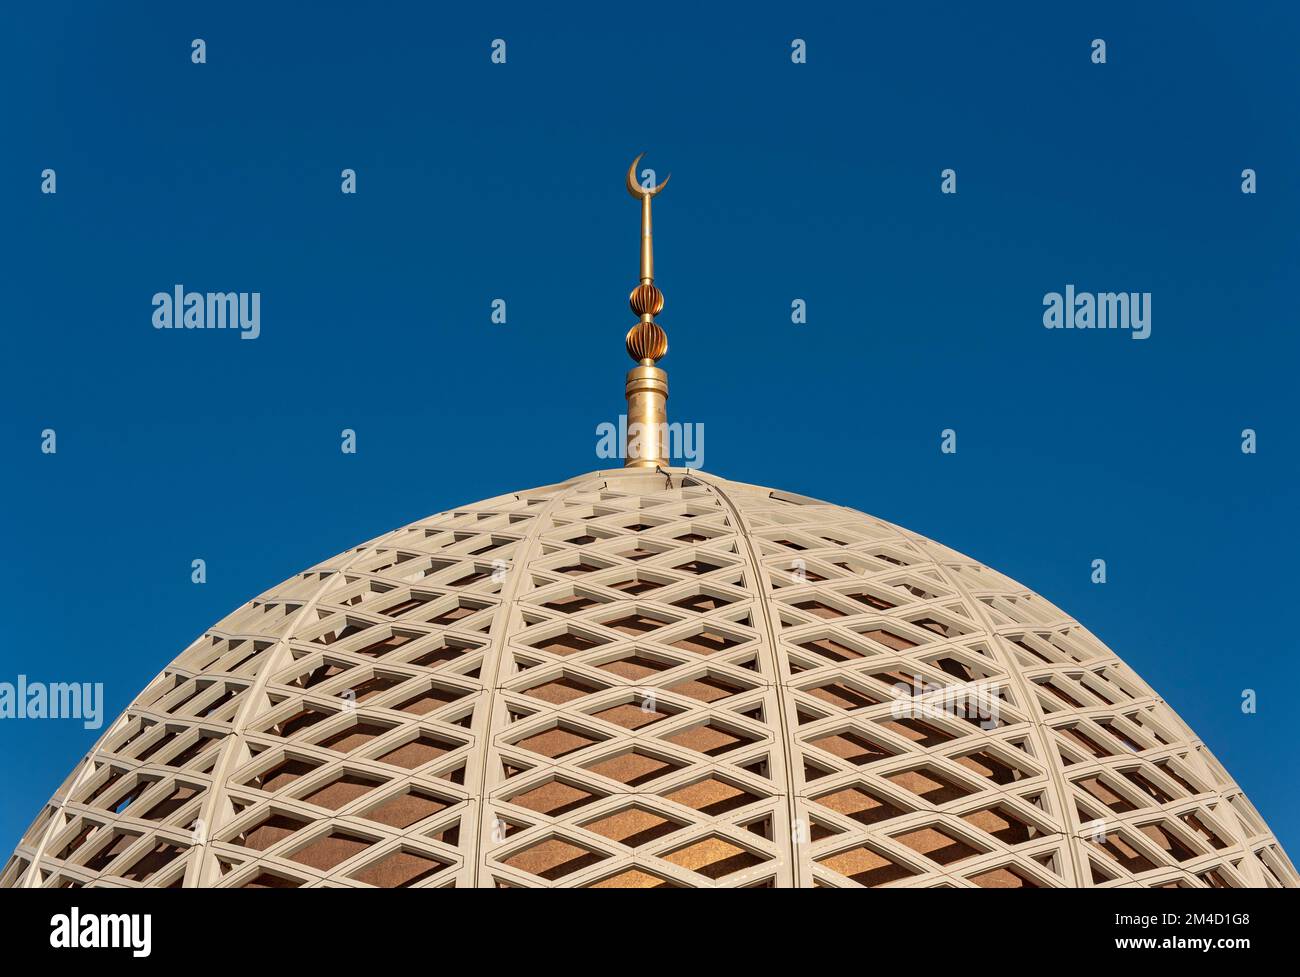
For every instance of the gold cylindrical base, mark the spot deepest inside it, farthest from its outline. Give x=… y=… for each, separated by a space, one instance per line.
x=647 y=418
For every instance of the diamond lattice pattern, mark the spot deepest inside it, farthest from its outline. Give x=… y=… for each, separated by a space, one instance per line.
x=639 y=680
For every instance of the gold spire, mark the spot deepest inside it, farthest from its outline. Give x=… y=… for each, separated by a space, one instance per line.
x=647 y=343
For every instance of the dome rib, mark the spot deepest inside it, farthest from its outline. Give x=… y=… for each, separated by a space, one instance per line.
x=1060 y=792
x=770 y=628
x=200 y=871
x=945 y=560
x=499 y=637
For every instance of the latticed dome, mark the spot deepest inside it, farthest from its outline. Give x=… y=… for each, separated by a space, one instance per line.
x=632 y=679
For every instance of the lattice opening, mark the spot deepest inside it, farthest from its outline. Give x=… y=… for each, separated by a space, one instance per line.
x=1167 y=840
x=399 y=870
x=638 y=623
x=559 y=691
x=1006 y=877
x=1054 y=687
x=429 y=699
x=460 y=608
x=1215 y=880
x=636 y=714
x=944 y=627
x=566 y=642
x=477 y=574
x=298 y=721
x=698 y=565
x=637 y=584
x=82 y=832
x=104 y=778
x=556 y=797
x=407 y=808
x=1077 y=736
x=929 y=785
x=844 y=696
x=715 y=857
x=1000 y=822
x=890 y=639
x=271 y=880
x=272 y=829
x=342 y=789
x=832 y=648
x=354 y=735
x=708 y=688
x=819 y=608
x=199 y=754
x=332 y=849
x=852 y=747
x=154 y=860
x=703 y=601
x=344 y=628
x=409 y=603
x=579 y=567
x=418 y=751
x=707 y=641
x=641 y=551
x=638 y=664
x=634 y=878
x=633 y=767
x=285 y=772
x=13 y=872
x=921 y=733
x=871 y=600
x=371 y=687
x=1099 y=789
x=937 y=844
x=123 y=796
x=712 y=738
x=554 y=858
x=1205 y=832
x=712 y=795
x=558 y=741
x=118 y=842
x=1121 y=850
x=571 y=602
x=866 y=866
x=1147 y=786
x=153 y=737
x=444 y=650
x=862 y=805
x=313 y=676
x=383 y=646
x=633 y=826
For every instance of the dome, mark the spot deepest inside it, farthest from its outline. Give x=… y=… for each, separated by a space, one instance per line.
x=647 y=679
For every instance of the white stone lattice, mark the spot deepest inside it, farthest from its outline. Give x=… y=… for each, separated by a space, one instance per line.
x=617 y=681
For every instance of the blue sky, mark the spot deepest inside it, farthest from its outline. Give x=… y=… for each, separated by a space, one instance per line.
x=817 y=181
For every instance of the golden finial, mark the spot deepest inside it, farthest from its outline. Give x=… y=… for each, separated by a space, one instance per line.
x=647 y=343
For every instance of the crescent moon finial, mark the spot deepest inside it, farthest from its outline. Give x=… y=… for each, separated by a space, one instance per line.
x=635 y=188
x=647 y=343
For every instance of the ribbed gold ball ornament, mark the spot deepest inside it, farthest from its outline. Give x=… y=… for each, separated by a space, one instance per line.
x=647 y=341
x=646 y=300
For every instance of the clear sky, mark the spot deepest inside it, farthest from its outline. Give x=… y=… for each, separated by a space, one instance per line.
x=821 y=181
